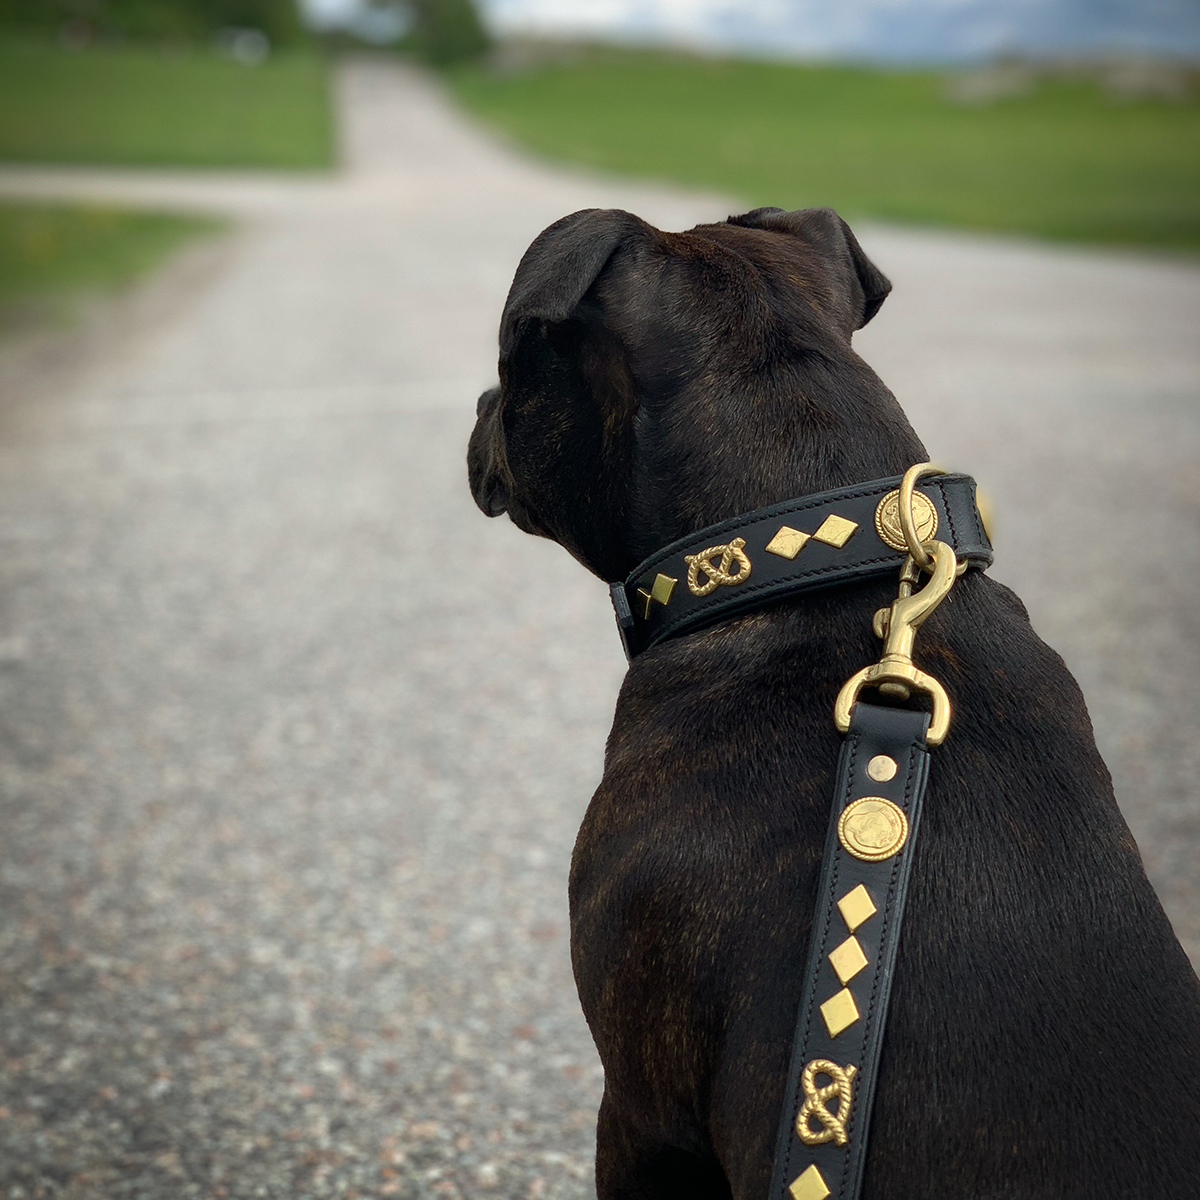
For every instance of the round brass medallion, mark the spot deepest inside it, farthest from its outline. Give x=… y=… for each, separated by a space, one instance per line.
x=872 y=828
x=887 y=519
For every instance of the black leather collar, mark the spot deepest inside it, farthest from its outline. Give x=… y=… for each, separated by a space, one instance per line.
x=772 y=553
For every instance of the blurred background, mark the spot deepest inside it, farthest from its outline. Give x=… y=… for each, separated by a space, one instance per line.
x=294 y=742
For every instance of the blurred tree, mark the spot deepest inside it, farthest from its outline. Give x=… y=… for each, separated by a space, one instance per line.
x=446 y=31
x=155 y=19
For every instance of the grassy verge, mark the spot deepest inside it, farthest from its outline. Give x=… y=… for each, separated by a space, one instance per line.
x=1064 y=161
x=148 y=107
x=50 y=255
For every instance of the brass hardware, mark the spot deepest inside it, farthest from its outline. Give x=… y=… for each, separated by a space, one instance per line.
x=787 y=542
x=882 y=768
x=719 y=574
x=840 y=1012
x=887 y=519
x=895 y=674
x=809 y=1185
x=856 y=906
x=660 y=591
x=847 y=959
x=664 y=585
x=872 y=829
x=662 y=588
x=816 y=1103
x=835 y=531
x=908 y=518
x=987 y=512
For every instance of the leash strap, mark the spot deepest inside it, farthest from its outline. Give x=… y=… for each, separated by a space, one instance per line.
x=882 y=772
x=819 y=541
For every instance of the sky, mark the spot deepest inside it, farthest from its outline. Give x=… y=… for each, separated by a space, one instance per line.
x=889 y=30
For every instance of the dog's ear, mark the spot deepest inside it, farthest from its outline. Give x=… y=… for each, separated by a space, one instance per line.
x=561 y=264
x=832 y=238
x=555 y=449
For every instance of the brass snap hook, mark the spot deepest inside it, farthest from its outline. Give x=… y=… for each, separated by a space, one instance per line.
x=895 y=674
x=904 y=507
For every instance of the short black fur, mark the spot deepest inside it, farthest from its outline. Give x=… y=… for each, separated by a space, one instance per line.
x=1044 y=1034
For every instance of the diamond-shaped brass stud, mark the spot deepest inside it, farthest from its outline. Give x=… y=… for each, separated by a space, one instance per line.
x=835 y=531
x=848 y=959
x=660 y=591
x=788 y=542
x=809 y=1185
x=856 y=906
x=664 y=585
x=840 y=1012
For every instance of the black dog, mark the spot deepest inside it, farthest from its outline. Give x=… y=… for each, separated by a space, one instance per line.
x=1044 y=1032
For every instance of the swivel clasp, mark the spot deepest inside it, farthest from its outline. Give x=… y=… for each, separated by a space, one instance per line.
x=895 y=674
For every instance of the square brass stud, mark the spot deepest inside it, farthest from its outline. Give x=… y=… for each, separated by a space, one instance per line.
x=663 y=586
x=840 y=1012
x=835 y=531
x=809 y=1185
x=787 y=543
x=856 y=906
x=848 y=959
x=644 y=610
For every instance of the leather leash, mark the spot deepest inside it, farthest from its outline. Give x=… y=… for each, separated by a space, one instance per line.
x=882 y=772
x=826 y=1117
x=884 y=767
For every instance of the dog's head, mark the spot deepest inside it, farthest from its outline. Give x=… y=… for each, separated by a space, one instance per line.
x=653 y=383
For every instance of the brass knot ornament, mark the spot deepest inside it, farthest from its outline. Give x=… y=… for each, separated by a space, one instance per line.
x=816 y=1106
x=872 y=828
x=887 y=519
x=717 y=574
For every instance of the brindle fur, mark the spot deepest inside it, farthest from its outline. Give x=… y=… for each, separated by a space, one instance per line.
x=1044 y=1034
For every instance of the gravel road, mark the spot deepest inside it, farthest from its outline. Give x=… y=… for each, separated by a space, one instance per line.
x=295 y=743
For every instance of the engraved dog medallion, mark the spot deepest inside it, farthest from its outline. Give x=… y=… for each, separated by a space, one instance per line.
x=717 y=574
x=887 y=519
x=872 y=828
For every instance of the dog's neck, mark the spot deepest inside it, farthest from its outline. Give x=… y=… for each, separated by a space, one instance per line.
x=711 y=452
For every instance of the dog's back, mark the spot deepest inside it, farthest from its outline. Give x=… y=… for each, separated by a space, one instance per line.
x=1043 y=1038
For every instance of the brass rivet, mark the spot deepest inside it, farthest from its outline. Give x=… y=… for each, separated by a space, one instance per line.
x=882 y=768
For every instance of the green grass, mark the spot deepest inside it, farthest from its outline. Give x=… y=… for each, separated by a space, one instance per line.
x=1066 y=161
x=51 y=254
x=148 y=107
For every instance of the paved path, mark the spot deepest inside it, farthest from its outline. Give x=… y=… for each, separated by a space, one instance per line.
x=287 y=809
